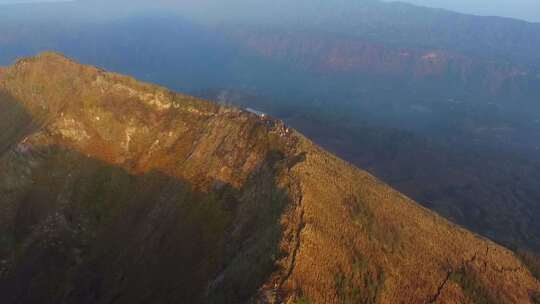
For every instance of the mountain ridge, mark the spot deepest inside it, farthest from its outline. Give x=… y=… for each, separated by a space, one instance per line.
x=289 y=220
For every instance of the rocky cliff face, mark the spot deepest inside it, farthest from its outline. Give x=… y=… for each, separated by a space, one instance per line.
x=112 y=190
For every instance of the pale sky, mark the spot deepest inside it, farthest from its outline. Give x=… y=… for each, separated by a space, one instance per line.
x=30 y=1
x=521 y=9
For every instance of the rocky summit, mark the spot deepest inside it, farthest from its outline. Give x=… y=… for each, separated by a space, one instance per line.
x=117 y=191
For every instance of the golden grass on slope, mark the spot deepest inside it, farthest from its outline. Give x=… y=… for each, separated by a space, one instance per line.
x=342 y=235
x=349 y=216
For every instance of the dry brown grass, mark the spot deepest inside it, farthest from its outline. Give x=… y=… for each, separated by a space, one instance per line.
x=307 y=226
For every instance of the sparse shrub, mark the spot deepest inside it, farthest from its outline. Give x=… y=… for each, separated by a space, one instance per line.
x=535 y=298
x=531 y=261
x=363 y=285
x=303 y=300
x=7 y=242
x=472 y=286
x=363 y=216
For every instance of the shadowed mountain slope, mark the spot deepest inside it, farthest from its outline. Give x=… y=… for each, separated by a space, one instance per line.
x=112 y=190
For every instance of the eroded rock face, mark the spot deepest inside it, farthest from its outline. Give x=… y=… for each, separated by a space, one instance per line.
x=117 y=191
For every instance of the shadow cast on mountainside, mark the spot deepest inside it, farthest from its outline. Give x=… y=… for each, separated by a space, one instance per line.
x=15 y=122
x=84 y=231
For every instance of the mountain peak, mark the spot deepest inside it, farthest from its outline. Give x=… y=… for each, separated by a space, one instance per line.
x=116 y=119
x=122 y=183
x=52 y=55
x=47 y=57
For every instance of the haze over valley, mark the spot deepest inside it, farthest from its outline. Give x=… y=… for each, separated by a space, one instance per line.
x=441 y=106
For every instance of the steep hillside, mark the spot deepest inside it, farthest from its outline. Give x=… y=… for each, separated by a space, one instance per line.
x=475 y=177
x=112 y=190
